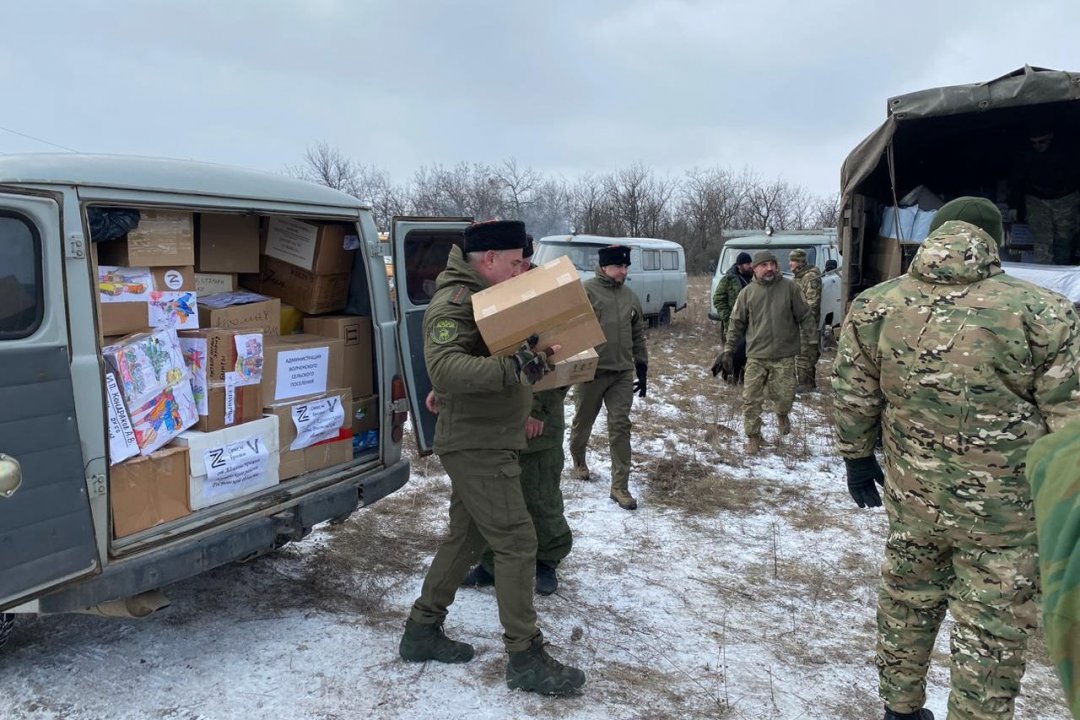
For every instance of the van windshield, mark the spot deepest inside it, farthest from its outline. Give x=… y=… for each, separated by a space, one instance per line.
x=728 y=255
x=585 y=256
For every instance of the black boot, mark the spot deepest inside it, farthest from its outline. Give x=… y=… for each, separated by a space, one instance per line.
x=536 y=671
x=546 y=580
x=923 y=714
x=478 y=577
x=429 y=642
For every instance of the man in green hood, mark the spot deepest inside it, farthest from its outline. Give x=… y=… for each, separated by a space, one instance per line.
x=961 y=368
x=483 y=405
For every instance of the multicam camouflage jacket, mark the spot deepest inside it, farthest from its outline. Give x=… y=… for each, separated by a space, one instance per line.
x=1054 y=472
x=808 y=280
x=963 y=367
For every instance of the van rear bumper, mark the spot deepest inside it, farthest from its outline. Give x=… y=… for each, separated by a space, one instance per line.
x=188 y=558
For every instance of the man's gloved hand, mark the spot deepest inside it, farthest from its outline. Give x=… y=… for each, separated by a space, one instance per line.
x=717 y=364
x=862 y=473
x=642 y=370
x=532 y=364
x=727 y=363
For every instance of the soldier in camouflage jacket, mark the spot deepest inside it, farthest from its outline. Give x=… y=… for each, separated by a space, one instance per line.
x=961 y=368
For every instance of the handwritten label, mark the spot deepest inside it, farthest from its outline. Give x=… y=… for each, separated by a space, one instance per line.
x=301 y=372
x=232 y=467
x=122 y=444
x=316 y=421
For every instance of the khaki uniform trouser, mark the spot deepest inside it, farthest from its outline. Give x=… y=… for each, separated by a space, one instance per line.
x=486 y=508
x=767 y=378
x=806 y=365
x=615 y=390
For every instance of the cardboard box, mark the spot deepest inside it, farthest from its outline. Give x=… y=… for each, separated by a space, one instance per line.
x=232 y=462
x=314 y=433
x=310 y=292
x=549 y=301
x=355 y=332
x=298 y=366
x=365 y=414
x=139 y=298
x=578 y=369
x=148 y=491
x=226 y=375
x=228 y=243
x=241 y=310
x=214 y=283
x=163 y=238
x=317 y=248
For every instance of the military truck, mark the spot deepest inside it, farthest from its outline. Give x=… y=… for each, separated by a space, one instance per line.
x=61 y=550
x=942 y=143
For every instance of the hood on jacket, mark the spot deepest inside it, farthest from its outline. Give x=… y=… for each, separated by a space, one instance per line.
x=459 y=272
x=606 y=279
x=957 y=253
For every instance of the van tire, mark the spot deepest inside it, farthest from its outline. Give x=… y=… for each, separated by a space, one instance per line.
x=7 y=624
x=664 y=319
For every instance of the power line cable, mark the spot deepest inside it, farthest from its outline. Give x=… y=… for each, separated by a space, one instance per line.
x=37 y=139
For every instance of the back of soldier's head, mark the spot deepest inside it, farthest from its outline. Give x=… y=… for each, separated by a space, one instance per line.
x=978 y=211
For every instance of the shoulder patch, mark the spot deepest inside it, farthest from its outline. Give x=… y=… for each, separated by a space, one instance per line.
x=460 y=295
x=444 y=330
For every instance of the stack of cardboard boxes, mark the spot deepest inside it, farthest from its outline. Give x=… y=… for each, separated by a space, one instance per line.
x=227 y=406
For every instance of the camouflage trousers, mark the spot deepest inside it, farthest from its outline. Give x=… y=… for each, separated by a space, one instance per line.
x=987 y=582
x=541 y=472
x=806 y=364
x=1053 y=226
x=767 y=378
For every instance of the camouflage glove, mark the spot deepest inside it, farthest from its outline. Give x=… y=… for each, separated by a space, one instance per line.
x=642 y=370
x=532 y=364
x=862 y=473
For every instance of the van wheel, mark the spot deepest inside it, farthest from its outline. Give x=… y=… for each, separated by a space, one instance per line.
x=7 y=624
x=665 y=317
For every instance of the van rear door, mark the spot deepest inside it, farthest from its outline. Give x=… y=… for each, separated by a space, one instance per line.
x=420 y=248
x=46 y=527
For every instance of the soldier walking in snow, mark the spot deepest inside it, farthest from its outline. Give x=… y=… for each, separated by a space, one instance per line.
x=962 y=368
x=769 y=313
x=808 y=280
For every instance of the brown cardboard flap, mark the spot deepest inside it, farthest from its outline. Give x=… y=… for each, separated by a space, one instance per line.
x=163 y=237
x=228 y=243
x=305 y=290
x=149 y=490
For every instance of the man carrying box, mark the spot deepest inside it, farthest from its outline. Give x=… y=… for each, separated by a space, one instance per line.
x=484 y=402
x=621 y=357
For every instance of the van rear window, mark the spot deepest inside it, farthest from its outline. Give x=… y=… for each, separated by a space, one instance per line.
x=21 y=299
x=584 y=256
x=650 y=259
x=671 y=260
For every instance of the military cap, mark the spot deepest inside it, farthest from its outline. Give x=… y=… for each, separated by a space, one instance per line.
x=798 y=255
x=614 y=255
x=495 y=235
x=763 y=256
x=978 y=211
x=742 y=258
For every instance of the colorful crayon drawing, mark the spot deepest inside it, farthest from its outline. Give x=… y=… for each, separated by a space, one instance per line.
x=115 y=283
x=249 y=358
x=173 y=310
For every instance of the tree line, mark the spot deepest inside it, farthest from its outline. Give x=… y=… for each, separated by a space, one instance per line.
x=693 y=209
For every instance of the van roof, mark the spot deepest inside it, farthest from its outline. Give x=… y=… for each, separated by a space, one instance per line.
x=781 y=240
x=165 y=175
x=606 y=240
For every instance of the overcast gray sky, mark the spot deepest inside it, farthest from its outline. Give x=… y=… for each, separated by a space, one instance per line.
x=786 y=88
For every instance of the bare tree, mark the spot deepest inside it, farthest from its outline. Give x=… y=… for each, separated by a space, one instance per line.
x=825 y=211
x=328 y=166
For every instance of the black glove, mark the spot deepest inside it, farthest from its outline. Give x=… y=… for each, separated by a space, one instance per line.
x=532 y=364
x=642 y=370
x=727 y=363
x=717 y=364
x=862 y=473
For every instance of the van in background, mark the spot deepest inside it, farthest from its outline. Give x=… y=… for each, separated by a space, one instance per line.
x=657 y=268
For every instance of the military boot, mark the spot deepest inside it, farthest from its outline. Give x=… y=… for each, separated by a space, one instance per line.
x=478 y=577
x=783 y=423
x=547 y=581
x=923 y=714
x=423 y=641
x=536 y=671
x=581 y=472
x=621 y=495
x=753 y=444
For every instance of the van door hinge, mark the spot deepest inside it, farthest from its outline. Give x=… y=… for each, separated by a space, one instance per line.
x=399 y=406
x=76 y=245
x=96 y=484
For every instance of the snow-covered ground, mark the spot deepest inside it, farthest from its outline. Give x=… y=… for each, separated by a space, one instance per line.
x=740 y=589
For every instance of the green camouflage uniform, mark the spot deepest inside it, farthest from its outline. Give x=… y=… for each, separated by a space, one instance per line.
x=541 y=469
x=481 y=428
x=727 y=291
x=1053 y=224
x=963 y=368
x=771 y=316
x=808 y=280
x=619 y=312
x=1054 y=471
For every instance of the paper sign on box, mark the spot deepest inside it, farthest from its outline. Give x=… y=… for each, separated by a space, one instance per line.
x=232 y=462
